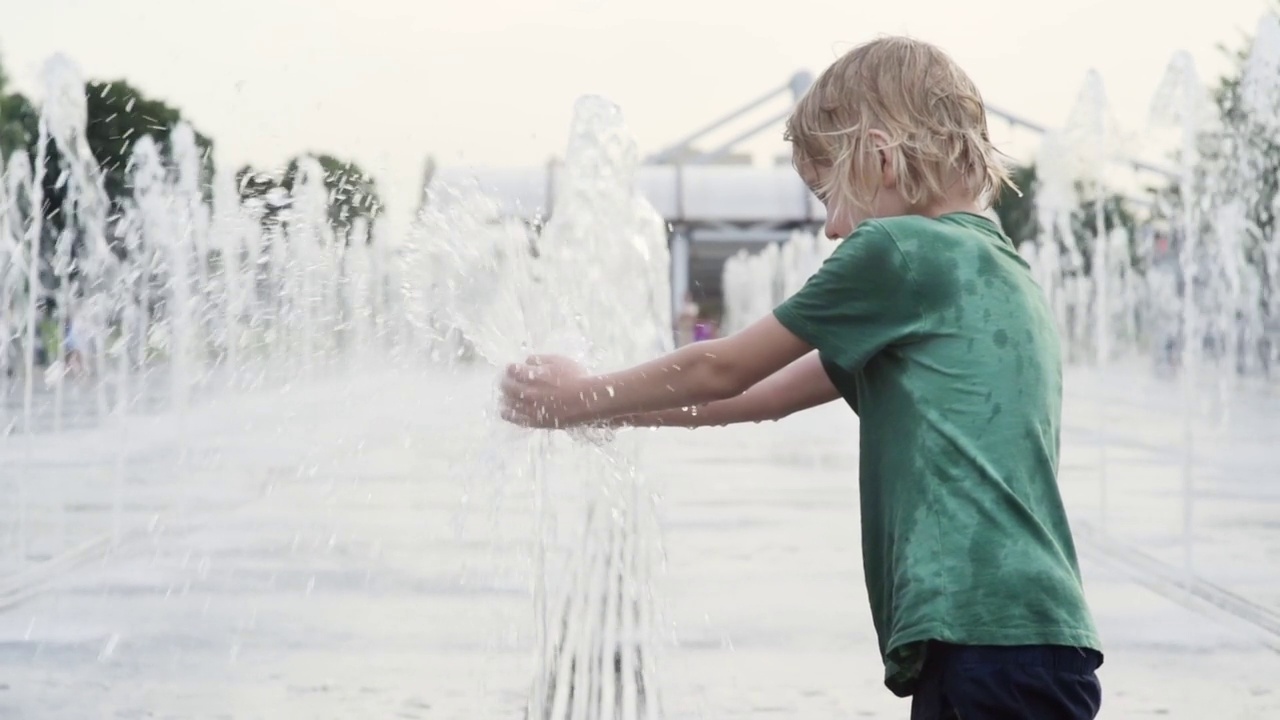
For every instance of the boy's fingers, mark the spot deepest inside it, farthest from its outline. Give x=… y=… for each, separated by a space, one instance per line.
x=510 y=386
x=522 y=373
x=517 y=370
x=546 y=359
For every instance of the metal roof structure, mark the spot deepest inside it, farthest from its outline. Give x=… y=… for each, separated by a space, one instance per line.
x=713 y=209
x=697 y=195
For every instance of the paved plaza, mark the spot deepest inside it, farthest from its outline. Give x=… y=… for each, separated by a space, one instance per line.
x=362 y=548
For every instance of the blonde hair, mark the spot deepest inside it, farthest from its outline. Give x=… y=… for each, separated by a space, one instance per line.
x=916 y=95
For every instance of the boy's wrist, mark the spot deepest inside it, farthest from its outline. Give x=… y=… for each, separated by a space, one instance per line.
x=578 y=404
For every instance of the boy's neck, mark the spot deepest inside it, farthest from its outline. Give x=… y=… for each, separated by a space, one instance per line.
x=948 y=206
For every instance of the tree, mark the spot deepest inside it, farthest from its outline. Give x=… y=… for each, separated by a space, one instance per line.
x=118 y=115
x=1239 y=167
x=353 y=193
x=1115 y=214
x=19 y=130
x=263 y=193
x=1018 y=217
x=1247 y=152
x=19 y=123
x=18 y=119
x=1017 y=208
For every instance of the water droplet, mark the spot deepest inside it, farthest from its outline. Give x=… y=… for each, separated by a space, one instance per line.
x=109 y=649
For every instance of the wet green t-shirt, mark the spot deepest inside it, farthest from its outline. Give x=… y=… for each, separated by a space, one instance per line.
x=935 y=333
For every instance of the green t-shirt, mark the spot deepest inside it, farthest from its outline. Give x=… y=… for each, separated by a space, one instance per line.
x=937 y=336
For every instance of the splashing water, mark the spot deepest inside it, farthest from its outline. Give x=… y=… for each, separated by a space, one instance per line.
x=754 y=283
x=593 y=284
x=607 y=247
x=1197 y=293
x=166 y=299
x=1106 y=305
x=1092 y=132
x=1058 y=259
x=1260 y=86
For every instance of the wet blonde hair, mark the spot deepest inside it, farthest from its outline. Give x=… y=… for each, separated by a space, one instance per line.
x=928 y=107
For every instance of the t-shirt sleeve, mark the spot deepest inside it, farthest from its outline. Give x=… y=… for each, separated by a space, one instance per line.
x=860 y=301
x=846 y=382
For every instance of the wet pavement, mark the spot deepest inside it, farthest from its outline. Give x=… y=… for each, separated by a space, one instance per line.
x=363 y=548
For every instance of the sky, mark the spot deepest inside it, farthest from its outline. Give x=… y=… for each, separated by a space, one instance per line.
x=492 y=82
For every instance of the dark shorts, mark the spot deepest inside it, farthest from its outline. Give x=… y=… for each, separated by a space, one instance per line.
x=984 y=682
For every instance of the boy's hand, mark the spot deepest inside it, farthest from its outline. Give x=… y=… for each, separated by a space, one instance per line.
x=545 y=391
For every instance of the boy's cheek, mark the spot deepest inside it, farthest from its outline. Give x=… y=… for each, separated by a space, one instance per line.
x=840 y=223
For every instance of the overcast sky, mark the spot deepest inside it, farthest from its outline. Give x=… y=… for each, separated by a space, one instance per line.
x=387 y=82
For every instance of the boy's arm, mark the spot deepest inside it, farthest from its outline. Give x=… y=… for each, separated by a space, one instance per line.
x=799 y=386
x=548 y=396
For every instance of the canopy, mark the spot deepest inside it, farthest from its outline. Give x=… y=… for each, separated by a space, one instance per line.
x=695 y=194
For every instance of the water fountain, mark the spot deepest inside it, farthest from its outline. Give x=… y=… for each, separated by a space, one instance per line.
x=754 y=283
x=509 y=292
x=13 y=249
x=180 y=298
x=1092 y=136
x=1254 y=144
x=1192 y=291
x=172 y=300
x=1181 y=102
x=1057 y=260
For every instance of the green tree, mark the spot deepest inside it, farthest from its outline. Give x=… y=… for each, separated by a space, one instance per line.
x=1116 y=213
x=353 y=193
x=1018 y=217
x=118 y=115
x=18 y=119
x=19 y=123
x=1017 y=208
x=19 y=130
x=262 y=193
x=1239 y=161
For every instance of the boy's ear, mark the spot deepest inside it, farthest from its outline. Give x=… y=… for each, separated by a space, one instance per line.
x=880 y=141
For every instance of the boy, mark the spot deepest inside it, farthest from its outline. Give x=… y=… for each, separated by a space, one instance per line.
x=928 y=323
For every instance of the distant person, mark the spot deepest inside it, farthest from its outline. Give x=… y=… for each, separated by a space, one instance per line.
x=928 y=323
x=686 y=320
x=77 y=346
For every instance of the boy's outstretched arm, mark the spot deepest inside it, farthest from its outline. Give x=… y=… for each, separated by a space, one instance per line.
x=799 y=386
x=557 y=394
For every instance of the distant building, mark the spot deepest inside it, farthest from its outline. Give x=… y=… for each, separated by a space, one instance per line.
x=687 y=155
